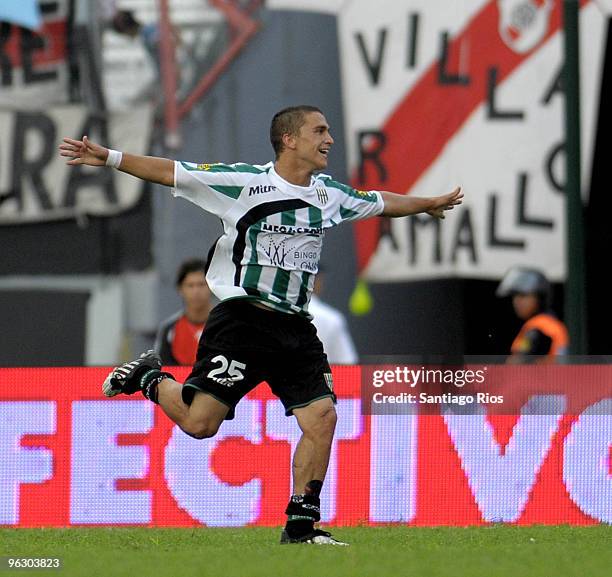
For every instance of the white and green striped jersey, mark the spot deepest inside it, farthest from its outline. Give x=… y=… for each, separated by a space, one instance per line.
x=273 y=230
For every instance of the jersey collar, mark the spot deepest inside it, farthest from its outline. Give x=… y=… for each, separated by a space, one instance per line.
x=287 y=186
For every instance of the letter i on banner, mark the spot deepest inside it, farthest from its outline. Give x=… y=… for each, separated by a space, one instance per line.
x=349 y=426
x=393 y=468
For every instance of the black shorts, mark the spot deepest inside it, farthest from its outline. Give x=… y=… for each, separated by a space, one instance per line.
x=243 y=345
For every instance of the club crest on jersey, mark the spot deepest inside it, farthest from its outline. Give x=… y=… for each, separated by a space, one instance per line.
x=523 y=24
x=322 y=195
x=206 y=166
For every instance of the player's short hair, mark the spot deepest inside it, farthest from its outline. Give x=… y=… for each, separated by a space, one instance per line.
x=288 y=121
x=189 y=266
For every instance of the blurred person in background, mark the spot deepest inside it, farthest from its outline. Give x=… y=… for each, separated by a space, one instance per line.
x=124 y=22
x=542 y=334
x=332 y=328
x=178 y=336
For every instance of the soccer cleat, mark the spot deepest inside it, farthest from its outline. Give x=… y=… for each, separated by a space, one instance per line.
x=126 y=378
x=316 y=537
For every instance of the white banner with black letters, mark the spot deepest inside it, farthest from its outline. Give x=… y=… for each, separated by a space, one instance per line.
x=34 y=62
x=439 y=94
x=35 y=182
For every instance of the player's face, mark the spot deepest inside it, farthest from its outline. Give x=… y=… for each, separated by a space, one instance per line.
x=314 y=141
x=525 y=305
x=194 y=290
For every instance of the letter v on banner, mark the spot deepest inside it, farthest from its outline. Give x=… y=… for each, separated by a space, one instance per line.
x=501 y=483
x=434 y=131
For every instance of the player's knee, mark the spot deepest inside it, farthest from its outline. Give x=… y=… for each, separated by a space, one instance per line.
x=329 y=418
x=323 y=423
x=327 y=414
x=203 y=430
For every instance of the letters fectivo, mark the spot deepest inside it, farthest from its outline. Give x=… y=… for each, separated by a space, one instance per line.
x=500 y=484
x=414 y=377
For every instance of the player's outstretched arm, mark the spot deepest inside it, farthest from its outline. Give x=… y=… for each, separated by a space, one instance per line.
x=405 y=205
x=151 y=168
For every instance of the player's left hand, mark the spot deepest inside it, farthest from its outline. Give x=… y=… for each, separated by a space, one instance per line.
x=446 y=202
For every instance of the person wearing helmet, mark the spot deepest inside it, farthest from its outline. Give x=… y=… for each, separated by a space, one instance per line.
x=542 y=333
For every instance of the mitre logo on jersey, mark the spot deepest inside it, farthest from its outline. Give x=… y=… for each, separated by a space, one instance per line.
x=322 y=195
x=261 y=189
x=523 y=23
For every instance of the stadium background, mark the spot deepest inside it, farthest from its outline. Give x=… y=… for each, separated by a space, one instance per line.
x=88 y=262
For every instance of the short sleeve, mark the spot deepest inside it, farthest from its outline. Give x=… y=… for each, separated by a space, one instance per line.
x=213 y=187
x=356 y=204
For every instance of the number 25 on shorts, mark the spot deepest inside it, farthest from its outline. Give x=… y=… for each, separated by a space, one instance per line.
x=228 y=372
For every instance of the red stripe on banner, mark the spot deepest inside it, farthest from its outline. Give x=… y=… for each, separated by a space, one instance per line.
x=54 y=36
x=432 y=113
x=51 y=499
x=165 y=509
x=440 y=469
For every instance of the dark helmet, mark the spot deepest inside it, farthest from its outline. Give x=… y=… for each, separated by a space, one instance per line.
x=522 y=280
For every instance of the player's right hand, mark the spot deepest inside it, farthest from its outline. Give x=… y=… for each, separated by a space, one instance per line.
x=83 y=152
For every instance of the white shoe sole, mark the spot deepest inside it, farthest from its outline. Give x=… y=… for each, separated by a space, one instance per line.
x=321 y=540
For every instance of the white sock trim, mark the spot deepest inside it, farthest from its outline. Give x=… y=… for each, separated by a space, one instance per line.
x=114 y=158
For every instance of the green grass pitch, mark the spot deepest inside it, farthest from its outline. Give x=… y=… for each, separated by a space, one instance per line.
x=495 y=551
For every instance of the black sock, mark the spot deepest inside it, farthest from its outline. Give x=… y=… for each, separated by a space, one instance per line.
x=303 y=511
x=149 y=382
x=298 y=527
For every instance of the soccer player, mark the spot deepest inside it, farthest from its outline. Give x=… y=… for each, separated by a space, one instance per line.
x=262 y=269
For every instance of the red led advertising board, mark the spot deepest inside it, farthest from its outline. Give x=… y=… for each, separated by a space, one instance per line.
x=69 y=456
